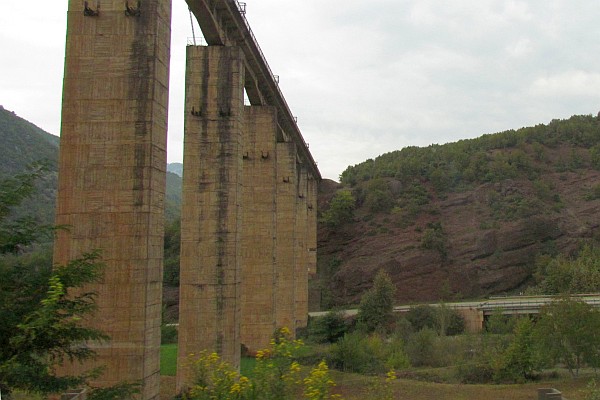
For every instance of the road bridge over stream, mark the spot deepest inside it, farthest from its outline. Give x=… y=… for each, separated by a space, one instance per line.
x=476 y=312
x=249 y=185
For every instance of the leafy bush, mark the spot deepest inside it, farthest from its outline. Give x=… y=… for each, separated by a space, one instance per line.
x=421 y=317
x=520 y=361
x=422 y=348
x=444 y=320
x=328 y=328
x=357 y=352
x=168 y=334
x=341 y=209
x=434 y=238
x=275 y=376
x=500 y=324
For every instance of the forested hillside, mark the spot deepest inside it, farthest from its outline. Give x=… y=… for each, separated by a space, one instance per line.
x=24 y=144
x=463 y=219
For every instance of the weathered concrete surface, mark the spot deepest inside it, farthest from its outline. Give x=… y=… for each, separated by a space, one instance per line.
x=112 y=177
x=286 y=236
x=301 y=261
x=210 y=289
x=259 y=227
x=311 y=204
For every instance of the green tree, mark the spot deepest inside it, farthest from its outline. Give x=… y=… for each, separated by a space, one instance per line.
x=41 y=308
x=434 y=238
x=377 y=304
x=422 y=316
x=580 y=274
x=171 y=253
x=341 y=209
x=520 y=360
x=18 y=232
x=567 y=332
x=379 y=197
x=328 y=328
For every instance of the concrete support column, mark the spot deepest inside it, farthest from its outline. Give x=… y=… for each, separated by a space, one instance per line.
x=311 y=202
x=209 y=306
x=301 y=248
x=112 y=177
x=286 y=233
x=258 y=237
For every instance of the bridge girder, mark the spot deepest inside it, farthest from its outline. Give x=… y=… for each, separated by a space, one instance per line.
x=223 y=24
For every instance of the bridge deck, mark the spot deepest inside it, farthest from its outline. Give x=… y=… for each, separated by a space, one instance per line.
x=223 y=23
x=507 y=305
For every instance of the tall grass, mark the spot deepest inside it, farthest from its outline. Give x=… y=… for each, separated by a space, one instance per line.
x=168 y=359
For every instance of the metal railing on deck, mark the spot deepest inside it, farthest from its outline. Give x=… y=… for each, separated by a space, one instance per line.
x=76 y=394
x=242 y=9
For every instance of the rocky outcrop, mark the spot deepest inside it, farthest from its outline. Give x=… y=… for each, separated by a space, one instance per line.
x=492 y=235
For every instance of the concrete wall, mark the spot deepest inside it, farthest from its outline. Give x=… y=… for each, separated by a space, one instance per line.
x=112 y=177
x=311 y=241
x=286 y=236
x=473 y=319
x=301 y=249
x=210 y=289
x=259 y=227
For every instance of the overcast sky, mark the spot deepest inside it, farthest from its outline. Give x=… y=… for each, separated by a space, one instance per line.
x=364 y=77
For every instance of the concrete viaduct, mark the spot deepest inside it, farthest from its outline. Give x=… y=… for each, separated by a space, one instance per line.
x=249 y=186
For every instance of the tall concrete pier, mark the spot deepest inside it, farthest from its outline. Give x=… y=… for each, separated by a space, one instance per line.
x=259 y=226
x=210 y=290
x=265 y=276
x=112 y=175
x=249 y=191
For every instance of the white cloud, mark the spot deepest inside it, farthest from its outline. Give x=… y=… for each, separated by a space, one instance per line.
x=363 y=77
x=568 y=83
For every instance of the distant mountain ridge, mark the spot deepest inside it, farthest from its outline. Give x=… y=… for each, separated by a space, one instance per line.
x=176 y=168
x=23 y=143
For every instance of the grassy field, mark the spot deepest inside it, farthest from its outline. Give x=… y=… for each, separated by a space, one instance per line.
x=356 y=386
x=168 y=359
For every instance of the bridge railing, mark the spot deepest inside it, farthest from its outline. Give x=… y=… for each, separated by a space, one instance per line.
x=525 y=304
x=241 y=7
x=77 y=394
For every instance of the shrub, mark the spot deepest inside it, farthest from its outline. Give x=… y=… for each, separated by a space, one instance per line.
x=500 y=324
x=317 y=384
x=168 y=334
x=421 y=317
x=403 y=329
x=519 y=362
x=328 y=328
x=276 y=376
x=341 y=209
x=434 y=238
x=482 y=359
x=356 y=352
x=421 y=348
